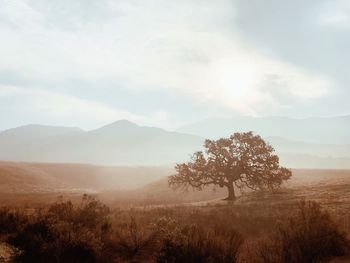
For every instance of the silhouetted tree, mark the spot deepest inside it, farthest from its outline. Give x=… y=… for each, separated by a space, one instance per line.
x=242 y=160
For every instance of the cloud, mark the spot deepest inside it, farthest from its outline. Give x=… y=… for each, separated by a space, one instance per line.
x=335 y=14
x=48 y=107
x=187 y=47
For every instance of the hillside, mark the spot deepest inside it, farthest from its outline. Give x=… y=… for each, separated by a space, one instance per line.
x=304 y=181
x=43 y=177
x=127 y=184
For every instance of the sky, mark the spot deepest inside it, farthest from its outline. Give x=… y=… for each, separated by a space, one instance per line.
x=86 y=63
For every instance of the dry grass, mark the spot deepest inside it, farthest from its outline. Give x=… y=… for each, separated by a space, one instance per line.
x=168 y=229
x=89 y=232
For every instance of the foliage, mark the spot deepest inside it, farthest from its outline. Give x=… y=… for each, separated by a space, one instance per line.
x=11 y=220
x=65 y=233
x=194 y=244
x=308 y=236
x=90 y=232
x=242 y=160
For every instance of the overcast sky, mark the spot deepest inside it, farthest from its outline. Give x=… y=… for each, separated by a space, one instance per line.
x=166 y=63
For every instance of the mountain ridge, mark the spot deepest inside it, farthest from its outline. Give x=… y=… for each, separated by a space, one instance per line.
x=126 y=143
x=118 y=143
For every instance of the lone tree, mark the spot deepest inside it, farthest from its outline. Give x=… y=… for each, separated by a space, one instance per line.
x=242 y=160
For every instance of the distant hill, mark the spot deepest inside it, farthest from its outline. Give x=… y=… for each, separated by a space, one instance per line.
x=119 y=143
x=333 y=130
x=44 y=177
x=297 y=154
x=313 y=162
x=126 y=143
x=34 y=133
x=282 y=145
x=30 y=142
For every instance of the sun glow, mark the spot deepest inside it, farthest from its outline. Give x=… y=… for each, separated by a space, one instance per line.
x=235 y=79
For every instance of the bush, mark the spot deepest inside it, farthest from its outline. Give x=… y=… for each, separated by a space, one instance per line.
x=193 y=244
x=11 y=221
x=36 y=242
x=308 y=236
x=133 y=242
x=90 y=214
x=66 y=233
x=89 y=233
x=78 y=252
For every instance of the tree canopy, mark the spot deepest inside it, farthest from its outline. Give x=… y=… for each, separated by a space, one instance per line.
x=244 y=160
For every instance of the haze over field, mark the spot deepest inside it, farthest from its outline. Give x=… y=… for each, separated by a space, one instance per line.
x=56 y=178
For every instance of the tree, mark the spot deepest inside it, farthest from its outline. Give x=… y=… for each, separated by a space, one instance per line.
x=242 y=160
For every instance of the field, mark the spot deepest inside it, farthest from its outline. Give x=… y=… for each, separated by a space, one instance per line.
x=31 y=184
x=153 y=223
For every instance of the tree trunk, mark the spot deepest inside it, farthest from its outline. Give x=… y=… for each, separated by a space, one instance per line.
x=231 y=192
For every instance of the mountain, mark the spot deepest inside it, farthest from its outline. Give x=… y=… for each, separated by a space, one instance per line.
x=34 y=133
x=28 y=142
x=300 y=143
x=282 y=145
x=333 y=130
x=119 y=143
x=313 y=162
x=298 y=154
x=126 y=143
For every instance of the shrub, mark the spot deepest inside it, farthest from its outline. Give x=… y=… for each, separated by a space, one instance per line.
x=90 y=214
x=11 y=221
x=133 y=242
x=89 y=233
x=78 y=252
x=66 y=233
x=36 y=242
x=193 y=244
x=308 y=236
